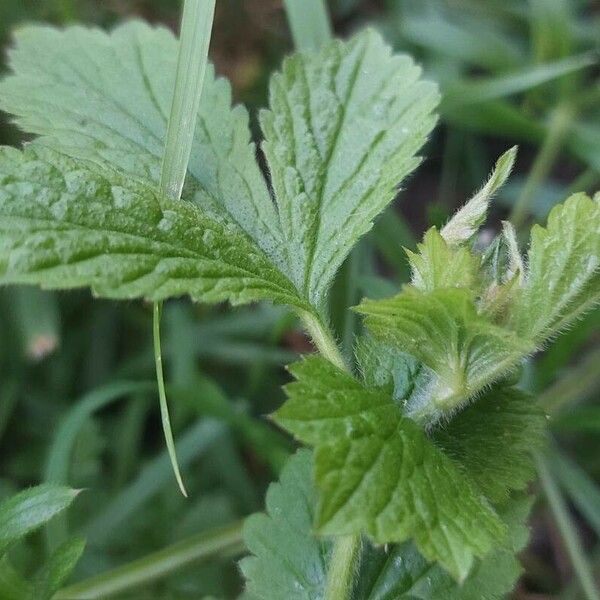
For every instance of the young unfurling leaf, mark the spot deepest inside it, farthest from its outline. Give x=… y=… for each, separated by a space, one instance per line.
x=562 y=279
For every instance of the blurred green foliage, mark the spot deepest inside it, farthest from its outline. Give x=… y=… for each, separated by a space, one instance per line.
x=78 y=404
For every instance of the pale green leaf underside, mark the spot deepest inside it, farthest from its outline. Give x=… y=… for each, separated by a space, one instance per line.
x=343 y=130
x=443 y=330
x=288 y=560
x=378 y=473
x=563 y=270
x=66 y=224
x=106 y=97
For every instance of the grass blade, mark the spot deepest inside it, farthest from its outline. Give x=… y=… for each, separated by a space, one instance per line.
x=196 y=26
x=567 y=530
x=309 y=23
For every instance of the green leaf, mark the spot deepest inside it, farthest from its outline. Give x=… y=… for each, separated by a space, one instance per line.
x=288 y=561
x=563 y=276
x=493 y=439
x=467 y=220
x=66 y=224
x=26 y=511
x=377 y=472
x=403 y=574
x=439 y=265
x=443 y=330
x=106 y=98
x=342 y=131
x=57 y=570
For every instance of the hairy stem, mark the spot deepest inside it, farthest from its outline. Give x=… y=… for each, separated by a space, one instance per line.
x=567 y=530
x=323 y=339
x=223 y=541
x=342 y=568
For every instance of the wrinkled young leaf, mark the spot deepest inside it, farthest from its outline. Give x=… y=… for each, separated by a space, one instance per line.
x=467 y=220
x=377 y=472
x=438 y=265
x=443 y=330
x=107 y=96
x=26 y=511
x=288 y=560
x=65 y=224
x=342 y=131
x=563 y=274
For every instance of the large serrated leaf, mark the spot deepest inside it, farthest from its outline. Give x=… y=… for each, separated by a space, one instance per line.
x=106 y=97
x=378 y=473
x=342 y=132
x=65 y=224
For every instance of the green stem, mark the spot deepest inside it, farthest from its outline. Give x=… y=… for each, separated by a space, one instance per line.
x=223 y=541
x=309 y=22
x=323 y=339
x=342 y=568
x=561 y=119
x=567 y=530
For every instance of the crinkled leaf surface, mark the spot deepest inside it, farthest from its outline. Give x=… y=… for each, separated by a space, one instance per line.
x=342 y=131
x=438 y=265
x=563 y=275
x=377 y=472
x=288 y=560
x=65 y=224
x=443 y=330
x=107 y=96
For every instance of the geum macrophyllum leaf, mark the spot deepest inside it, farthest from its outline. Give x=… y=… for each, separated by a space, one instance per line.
x=562 y=280
x=443 y=330
x=336 y=154
x=378 y=473
x=65 y=224
x=106 y=97
x=342 y=131
x=288 y=560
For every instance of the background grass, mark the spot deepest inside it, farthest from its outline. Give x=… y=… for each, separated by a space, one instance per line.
x=77 y=399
